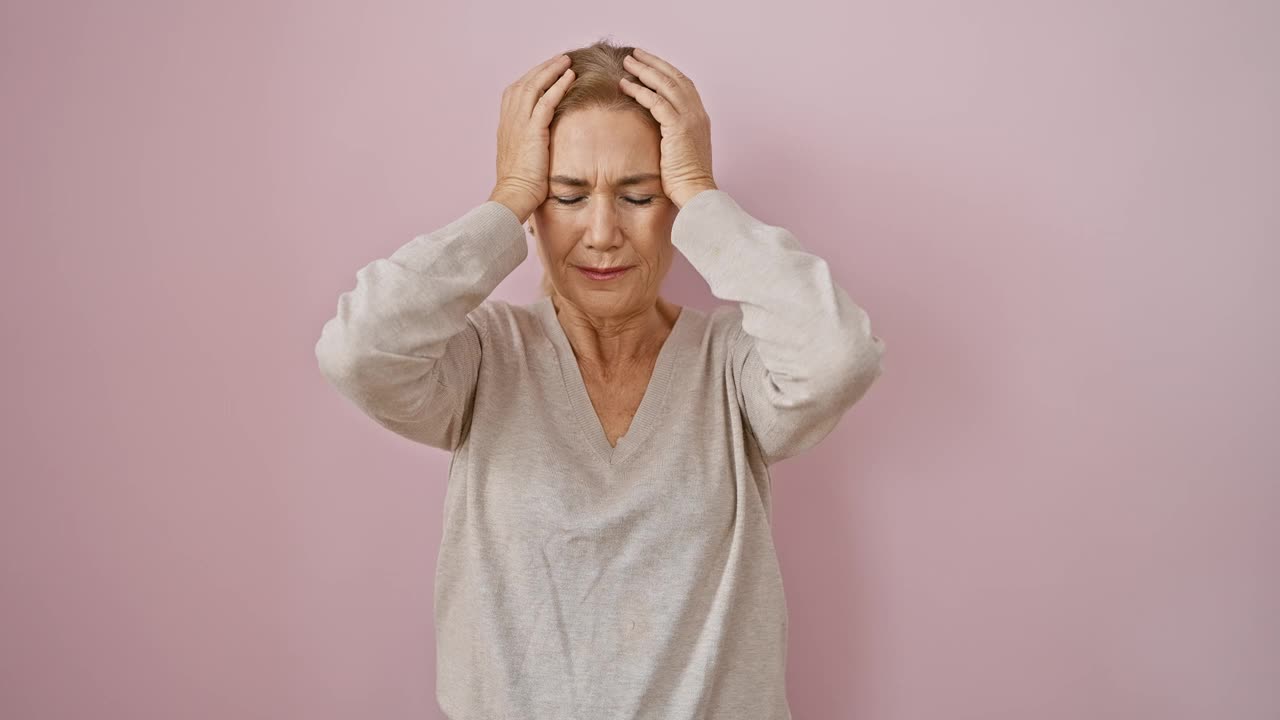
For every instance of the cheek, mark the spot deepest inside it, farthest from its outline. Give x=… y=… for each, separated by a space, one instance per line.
x=556 y=253
x=648 y=230
x=656 y=256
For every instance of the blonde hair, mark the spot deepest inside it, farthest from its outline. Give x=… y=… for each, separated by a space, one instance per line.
x=597 y=68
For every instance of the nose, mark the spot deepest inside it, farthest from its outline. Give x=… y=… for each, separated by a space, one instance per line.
x=603 y=229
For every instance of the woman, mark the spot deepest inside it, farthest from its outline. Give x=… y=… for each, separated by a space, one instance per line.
x=606 y=550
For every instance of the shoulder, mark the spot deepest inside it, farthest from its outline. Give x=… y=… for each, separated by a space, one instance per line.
x=724 y=323
x=502 y=321
x=711 y=334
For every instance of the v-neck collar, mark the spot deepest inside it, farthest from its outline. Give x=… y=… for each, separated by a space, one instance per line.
x=647 y=414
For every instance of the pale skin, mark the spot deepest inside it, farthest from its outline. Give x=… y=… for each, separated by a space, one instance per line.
x=571 y=183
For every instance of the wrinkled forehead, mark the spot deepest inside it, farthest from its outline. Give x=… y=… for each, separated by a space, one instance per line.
x=604 y=148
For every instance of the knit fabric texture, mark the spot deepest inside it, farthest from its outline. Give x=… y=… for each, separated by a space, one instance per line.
x=579 y=580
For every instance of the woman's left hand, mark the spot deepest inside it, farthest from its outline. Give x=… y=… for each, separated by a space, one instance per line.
x=686 y=128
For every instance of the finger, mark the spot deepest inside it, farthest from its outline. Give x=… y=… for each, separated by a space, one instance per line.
x=659 y=107
x=533 y=72
x=649 y=58
x=533 y=83
x=531 y=92
x=514 y=93
x=658 y=81
x=546 y=105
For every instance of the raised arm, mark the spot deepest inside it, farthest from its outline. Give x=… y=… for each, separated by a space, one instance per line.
x=806 y=352
x=403 y=345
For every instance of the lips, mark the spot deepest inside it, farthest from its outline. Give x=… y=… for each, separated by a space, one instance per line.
x=603 y=273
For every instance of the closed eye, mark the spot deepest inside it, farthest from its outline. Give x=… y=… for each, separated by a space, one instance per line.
x=574 y=201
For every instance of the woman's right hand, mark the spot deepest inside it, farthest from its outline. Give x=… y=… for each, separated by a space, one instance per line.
x=524 y=135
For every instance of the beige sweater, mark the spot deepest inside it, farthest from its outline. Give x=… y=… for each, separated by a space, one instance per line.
x=579 y=580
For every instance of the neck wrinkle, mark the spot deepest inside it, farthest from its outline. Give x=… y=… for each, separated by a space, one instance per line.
x=621 y=348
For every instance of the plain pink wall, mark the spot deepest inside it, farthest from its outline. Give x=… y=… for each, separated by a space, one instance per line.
x=1060 y=501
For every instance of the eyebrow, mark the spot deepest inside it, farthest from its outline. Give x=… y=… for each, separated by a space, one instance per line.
x=635 y=179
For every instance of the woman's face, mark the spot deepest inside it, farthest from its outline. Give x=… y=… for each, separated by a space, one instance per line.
x=597 y=214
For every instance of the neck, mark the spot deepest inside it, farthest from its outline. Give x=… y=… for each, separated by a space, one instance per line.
x=616 y=340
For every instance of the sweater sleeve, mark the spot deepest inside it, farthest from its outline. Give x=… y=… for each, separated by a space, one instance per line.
x=405 y=346
x=805 y=352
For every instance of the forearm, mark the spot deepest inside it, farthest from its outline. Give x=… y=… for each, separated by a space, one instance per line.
x=388 y=348
x=806 y=349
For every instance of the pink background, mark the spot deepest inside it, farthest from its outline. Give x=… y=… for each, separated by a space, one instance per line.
x=1060 y=501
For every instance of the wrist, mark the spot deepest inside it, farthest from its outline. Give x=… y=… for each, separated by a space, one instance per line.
x=517 y=203
x=682 y=196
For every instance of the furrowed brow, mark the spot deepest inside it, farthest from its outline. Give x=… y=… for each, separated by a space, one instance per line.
x=635 y=179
